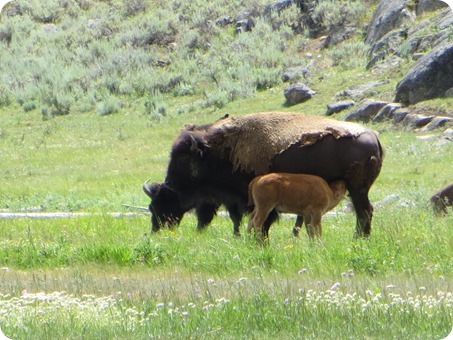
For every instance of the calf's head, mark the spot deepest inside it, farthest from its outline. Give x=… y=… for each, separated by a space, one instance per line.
x=339 y=190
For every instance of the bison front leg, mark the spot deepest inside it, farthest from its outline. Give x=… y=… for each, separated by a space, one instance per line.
x=205 y=213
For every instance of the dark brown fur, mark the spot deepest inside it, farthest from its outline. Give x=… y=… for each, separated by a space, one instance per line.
x=442 y=199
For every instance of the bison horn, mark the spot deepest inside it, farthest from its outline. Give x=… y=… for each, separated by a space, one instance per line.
x=150 y=190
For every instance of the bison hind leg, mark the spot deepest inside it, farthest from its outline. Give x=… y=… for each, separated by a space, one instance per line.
x=364 y=213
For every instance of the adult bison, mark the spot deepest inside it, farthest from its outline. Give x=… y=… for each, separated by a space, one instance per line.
x=212 y=164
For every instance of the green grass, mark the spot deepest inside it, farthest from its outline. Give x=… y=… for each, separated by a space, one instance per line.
x=104 y=277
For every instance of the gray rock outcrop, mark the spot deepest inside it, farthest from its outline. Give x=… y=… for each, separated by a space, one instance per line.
x=298 y=93
x=430 y=77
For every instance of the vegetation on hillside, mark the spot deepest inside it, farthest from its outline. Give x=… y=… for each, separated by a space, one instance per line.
x=65 y=56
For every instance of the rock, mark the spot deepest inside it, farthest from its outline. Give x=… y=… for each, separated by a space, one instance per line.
x=388 y=44
x=339 y=106
x=387 y=16
x=366 y=111
x=359 y=91
x=276 y=7
x=438 y=122
x=399 y=115
x=448 y=133
x=430 y=77
x=224 y=21
x=298 y=93
x=414 y=121
x=417 y=56
x=429 y=6
x=245 y=20
x=449 y=93
x=338 y=35
x=294 y=74
x=390 y=63
x=387 y=112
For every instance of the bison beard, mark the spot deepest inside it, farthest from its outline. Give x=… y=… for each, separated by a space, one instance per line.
x=212 y=164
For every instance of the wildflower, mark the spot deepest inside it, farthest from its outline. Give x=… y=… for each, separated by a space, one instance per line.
x=289 y=246
x=302 y=271
x=211 y=281
x=5 y=269
x=160 y=305
x=335 y=286
x=422 y=289
x=390 y=287
x=185 y=313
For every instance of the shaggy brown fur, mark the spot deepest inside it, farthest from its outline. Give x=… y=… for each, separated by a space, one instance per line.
x=306 y=195
x=442 y=199
x=272 y=132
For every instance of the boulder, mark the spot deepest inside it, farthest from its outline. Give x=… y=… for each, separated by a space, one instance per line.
x=430 y=77
x=276 y=7
x=339 y=106
x=429 y=6
x=388 y=44
x=387 y=16
x=387 y=112
x=298 y=93
x=438 y=122
x=224 y=21
x=399 y=115
x=414 y=121
x=366 y=111
x=449 y=93
x=359 y=91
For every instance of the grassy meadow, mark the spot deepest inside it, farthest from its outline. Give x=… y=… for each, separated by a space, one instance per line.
x=101 y=276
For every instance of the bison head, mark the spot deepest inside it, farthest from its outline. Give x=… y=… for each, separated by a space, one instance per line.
x=165 y=207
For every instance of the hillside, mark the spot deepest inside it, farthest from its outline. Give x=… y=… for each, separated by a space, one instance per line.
x=164 y=58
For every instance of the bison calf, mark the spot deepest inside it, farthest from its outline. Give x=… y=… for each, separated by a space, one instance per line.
x=442 y=199
x=305 y=195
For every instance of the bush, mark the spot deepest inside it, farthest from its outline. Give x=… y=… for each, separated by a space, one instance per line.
x=108 y=106
x=5 y=95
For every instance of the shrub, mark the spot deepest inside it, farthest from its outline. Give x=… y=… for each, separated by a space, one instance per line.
x=108 y=106
x=341 y=55
x=5 y=95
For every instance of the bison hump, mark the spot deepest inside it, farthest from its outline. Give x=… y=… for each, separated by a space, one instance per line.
x=252 y=141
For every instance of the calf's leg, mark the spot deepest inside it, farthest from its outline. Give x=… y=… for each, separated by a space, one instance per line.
x=298 y=225
x=313 y=225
